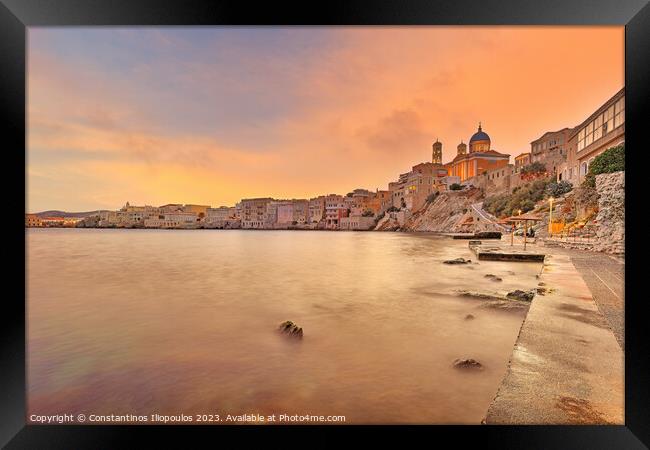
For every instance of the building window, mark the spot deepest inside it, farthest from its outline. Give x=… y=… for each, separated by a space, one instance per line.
x=609 y=116
x=598 y=127
x=581 y=139
x=583 y=169
x=619 y=112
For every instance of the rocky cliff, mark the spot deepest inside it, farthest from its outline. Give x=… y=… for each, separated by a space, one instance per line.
x=449 y=212
x=610 y=237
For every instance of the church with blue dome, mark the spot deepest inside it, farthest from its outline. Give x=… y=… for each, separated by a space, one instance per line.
x=480 y=158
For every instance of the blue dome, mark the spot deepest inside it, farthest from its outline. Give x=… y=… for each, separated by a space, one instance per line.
x=479 y=136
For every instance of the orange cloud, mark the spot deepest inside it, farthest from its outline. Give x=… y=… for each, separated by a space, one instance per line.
x=356 y=114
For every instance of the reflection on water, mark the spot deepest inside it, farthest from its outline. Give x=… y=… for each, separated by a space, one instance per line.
x=171 y=322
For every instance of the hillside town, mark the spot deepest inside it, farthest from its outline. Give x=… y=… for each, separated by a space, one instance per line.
x=477 y=175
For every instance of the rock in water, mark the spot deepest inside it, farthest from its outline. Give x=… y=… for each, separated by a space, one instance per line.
x=467 y=364
x=521 y=295
x=290 y=329
x=458 y=261
x=493 y=277
x=469 y=317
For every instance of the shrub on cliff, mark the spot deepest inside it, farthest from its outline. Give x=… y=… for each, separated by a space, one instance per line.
x=534 y=168
x=522 y=198
x=431 y=197
x=611 y=160
x=555 y=189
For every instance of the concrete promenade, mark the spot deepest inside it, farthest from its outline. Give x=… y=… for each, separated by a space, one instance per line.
x=605 y=277
x=567 y=366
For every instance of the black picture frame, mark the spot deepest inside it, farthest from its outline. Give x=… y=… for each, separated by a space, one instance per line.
x=16 y=15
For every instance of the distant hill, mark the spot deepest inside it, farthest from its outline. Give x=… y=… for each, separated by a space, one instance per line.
x=55 y=213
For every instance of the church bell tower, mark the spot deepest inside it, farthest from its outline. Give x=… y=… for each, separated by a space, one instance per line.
x=462 y=148
x=436 y=156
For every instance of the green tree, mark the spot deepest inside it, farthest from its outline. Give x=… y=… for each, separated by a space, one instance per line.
x=522 y=198
x=534 y=168
x=455 y=187
x=611 y=160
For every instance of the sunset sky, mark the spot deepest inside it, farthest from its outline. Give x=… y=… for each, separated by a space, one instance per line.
x=211 y=115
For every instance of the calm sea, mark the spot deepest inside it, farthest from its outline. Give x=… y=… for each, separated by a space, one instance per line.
x=184 y=322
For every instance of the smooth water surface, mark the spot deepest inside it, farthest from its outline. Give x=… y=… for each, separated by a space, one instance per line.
x=175 y=321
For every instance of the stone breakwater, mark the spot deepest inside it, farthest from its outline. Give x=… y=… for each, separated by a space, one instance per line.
x=610 y=237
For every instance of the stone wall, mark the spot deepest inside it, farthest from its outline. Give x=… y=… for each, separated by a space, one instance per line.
x=610 y=237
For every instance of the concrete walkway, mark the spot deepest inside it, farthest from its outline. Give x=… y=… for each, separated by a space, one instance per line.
x=605 y=277
x=567 y=367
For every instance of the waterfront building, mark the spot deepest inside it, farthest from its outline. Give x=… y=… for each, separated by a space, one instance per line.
x=253 y=212
x=335 y=209
x=285 y=213
x=33 y=221
x=356 y=223
x=71 y=222
x=131 y=208
x=379 y=202
x=317 y=209
x=199 y=210
x=217 y=217
x=603 y=129
x=171 y=207
x=481 y=157
x=521 y=160
x=177 y=219
x=300 y=211
x=52 y=221
x=128 y=216
x=219 y=214
x=271 y=215
x=412 y=189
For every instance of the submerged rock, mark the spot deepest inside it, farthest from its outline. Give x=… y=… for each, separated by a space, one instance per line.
x=458 y=261
x=518 y=294
x=468 y=364
x=290 y=329
x=478 y=295
x=493 y=277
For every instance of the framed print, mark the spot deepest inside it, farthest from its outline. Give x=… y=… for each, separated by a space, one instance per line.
x=339 y=218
